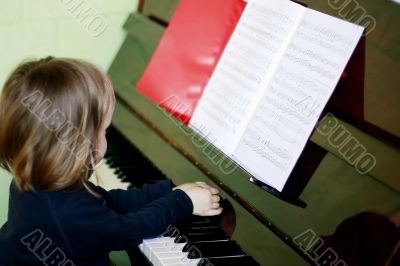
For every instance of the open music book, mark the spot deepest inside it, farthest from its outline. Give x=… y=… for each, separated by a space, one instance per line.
x=271 y=84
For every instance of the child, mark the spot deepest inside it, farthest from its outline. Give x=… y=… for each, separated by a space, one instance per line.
x=54 y=114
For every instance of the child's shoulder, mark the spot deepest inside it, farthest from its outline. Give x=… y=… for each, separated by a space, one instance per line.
x=60 y=200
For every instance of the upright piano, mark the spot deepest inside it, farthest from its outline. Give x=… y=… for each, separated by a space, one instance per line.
x=265 y=226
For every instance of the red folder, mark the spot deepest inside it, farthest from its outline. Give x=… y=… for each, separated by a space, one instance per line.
x=188 y=52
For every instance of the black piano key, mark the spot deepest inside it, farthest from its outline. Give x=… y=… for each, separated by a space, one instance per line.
x=204 y=230
x=139 y=174
x=213 y=249
x=194 y=221
x=193 y=226
x=132 y=166
x=175 y=232
x=201 y=237
x=128 y=163
x=231 y=261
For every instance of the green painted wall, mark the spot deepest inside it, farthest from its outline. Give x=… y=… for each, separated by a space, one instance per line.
x=87 y=29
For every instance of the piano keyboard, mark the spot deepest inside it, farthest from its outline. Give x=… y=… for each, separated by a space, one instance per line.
x=105 y=177
x=196 y=241
x=124 y=165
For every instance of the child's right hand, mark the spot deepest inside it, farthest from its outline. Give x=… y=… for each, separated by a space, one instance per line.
x=205 y=199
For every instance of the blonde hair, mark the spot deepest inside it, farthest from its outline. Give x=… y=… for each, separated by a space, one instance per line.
x=51 y=112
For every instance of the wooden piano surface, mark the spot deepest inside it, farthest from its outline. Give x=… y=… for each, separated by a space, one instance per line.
x=335 y=192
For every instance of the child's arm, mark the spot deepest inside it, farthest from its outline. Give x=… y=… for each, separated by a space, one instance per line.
x=124 y=201
x=100 y=229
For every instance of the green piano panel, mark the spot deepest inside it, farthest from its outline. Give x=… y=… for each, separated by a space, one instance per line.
x=162 y=10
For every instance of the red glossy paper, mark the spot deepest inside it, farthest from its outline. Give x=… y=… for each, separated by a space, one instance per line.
x=188 y=53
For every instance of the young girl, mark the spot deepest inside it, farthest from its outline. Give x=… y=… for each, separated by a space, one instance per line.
x=54 y=114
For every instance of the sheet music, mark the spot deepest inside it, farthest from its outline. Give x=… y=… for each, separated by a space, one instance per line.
x=249 y=59
x=296 y=95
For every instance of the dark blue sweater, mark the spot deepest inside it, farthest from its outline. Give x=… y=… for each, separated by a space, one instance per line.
x=76 y=228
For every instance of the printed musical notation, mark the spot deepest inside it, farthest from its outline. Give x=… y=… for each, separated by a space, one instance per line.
x=272 y=82
x=239 y=78
x=264 y=147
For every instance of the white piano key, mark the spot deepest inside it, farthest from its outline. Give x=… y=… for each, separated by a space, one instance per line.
x=104 y=177
x=141 y=247
x=185 y=261
x=163 y=251
x=179 y=262
x=160 y=258
x=156 y=242
x=168 y=246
